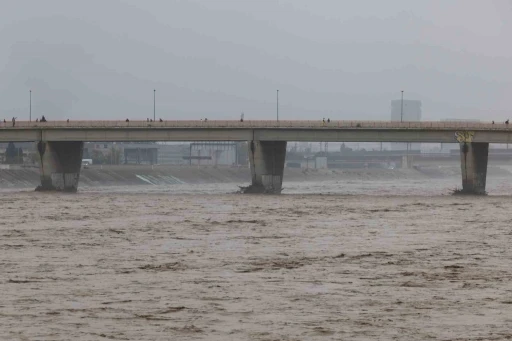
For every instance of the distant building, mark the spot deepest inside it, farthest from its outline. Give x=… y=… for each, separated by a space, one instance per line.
x=213 y=153
x=121 y=153
x=173 y=154
x=140 y=153
x=410 y=112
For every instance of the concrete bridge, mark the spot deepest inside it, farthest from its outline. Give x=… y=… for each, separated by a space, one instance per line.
x=60 y=143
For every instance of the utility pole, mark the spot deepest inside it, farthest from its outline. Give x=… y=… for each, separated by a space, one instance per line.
x=30 y=110
x=277 y=105
x=402 y=108
x=154 y=105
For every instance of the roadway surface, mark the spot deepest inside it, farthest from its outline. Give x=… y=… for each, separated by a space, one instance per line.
x=234 y=130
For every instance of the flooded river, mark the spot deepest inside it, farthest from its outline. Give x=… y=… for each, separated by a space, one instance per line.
x=360 y=260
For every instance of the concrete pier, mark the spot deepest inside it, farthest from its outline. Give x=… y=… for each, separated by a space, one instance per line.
x=60 y=164
x=473 y=157
x=267 y=160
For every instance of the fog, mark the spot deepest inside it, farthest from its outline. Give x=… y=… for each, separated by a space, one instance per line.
x=216 y=59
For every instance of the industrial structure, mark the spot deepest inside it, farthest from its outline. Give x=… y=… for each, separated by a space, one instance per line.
x=213 y=153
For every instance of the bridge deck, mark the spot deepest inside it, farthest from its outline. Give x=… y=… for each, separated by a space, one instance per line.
x=261 y=124
x=234 y=130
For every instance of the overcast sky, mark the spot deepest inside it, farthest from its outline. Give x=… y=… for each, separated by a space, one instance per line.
x=101 y=59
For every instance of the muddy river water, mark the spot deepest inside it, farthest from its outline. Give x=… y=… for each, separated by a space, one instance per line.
x=395 y=260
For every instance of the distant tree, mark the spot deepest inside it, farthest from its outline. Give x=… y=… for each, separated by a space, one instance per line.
x=345 y=149
x=34 y=158
x=13 y=155
x=114 y=156
x=98 y=158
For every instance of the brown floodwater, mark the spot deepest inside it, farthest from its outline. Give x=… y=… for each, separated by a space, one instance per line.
x=324 y=261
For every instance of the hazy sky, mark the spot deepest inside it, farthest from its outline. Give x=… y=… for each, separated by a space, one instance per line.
x=101 y=59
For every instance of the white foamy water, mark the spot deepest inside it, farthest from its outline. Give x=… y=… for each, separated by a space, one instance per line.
x=355 y=260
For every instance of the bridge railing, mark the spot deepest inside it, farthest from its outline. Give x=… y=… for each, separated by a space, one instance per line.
x=307 y=124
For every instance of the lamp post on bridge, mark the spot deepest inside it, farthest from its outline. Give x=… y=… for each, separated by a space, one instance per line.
x=154 y=105
x=30 y=110
x=277 y=105
x=402 y=108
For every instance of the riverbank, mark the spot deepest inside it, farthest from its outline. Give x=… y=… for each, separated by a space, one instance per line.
x=96 y=175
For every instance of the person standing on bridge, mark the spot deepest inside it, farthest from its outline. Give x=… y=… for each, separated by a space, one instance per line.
x=14 y=121
x=43 y=119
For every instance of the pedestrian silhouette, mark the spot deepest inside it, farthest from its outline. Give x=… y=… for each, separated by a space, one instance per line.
x=328 y=120
x=492 y=122
x=161 y=120
x=37 y=119
x=506 y=122
x=127 y=120
x=67 y=120
x=13 y=121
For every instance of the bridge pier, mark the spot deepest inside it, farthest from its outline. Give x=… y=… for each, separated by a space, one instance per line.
x=473 y=157
x=60 y=164
x=267 y=166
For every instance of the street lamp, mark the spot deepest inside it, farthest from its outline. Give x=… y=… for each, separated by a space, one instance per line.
x=277 y=105
x=402 y=108
x=30 y=110
x=154 y=105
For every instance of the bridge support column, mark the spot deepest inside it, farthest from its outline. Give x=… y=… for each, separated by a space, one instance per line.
x=473 y=157
x=267 y=166
x=60 y=165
